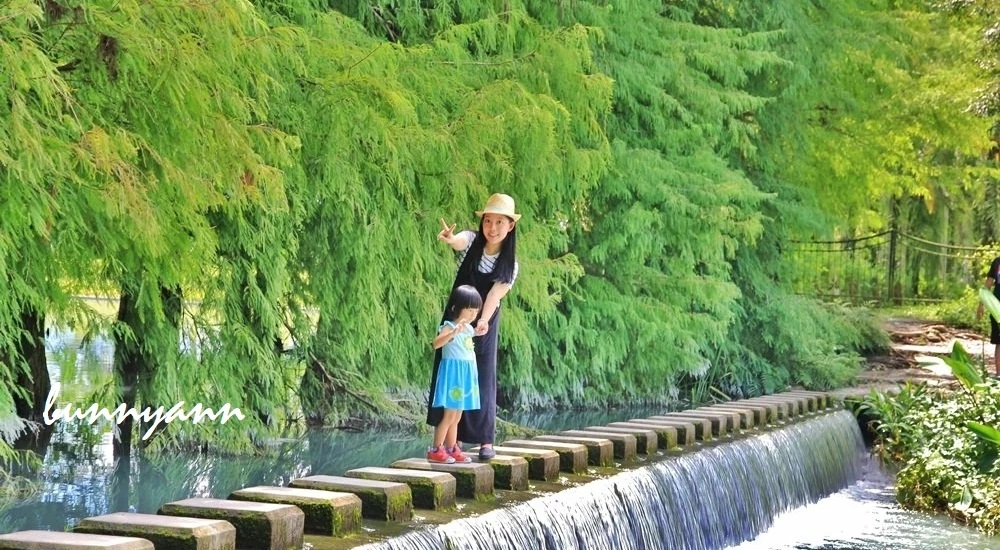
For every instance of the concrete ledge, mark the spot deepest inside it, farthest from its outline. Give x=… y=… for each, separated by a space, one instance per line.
x=572 y=456
x=259 y=525
x=706 y=426
x=59 y=540
x=645 y=438
x=667 y=436
x=326 y=512
x=746 y=416
x=471 y=480
x=622 y=445
x=164 y=531
x=509 y=472
x=543 y=464
x=687 y=431
x=600 y=450
x=381 y=500
x=431 y=490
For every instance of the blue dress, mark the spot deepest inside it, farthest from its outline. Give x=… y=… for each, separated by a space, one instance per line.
x=458 y=379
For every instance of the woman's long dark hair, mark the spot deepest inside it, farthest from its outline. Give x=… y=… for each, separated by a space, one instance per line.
x=503 y=269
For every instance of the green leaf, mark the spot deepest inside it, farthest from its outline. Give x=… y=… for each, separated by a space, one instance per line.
x=985 y=432
x=962 y=366
x=990 y=301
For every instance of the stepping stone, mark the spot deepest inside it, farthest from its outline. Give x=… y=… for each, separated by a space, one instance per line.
x=600 y=450
x=259 y=525
x=622 y=445
x=823 y=399
x=820 y=399
x=776 y=412
x=667 y=436
x=790 y=406
x=326 y=512
x=472 y=480
x=431 y=490
x=645 y=438
x=60 y=540
x=802 y=401
x=572 y=456
x=751 y=415
x=730 y=422
x=383 y=500
x=543 y=465
x=164 y=531
x=692 y=431
x=706 y=426
x=509 y=472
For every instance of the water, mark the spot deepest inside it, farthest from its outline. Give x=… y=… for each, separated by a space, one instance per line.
x=702 y=500
x=865 y=516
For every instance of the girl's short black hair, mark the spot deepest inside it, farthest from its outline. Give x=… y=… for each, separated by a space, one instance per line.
x=462 y=297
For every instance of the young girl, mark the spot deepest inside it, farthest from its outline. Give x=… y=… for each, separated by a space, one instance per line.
x=457 y=387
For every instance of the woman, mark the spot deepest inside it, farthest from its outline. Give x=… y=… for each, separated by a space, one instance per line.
x=488 y=261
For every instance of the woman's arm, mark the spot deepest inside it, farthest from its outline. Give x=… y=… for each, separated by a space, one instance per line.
x=458 y=241
x=490 y=305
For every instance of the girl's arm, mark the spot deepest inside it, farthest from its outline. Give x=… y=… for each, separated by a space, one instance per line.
x=446 y=334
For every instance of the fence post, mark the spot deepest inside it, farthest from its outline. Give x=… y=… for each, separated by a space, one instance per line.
x=891 y=275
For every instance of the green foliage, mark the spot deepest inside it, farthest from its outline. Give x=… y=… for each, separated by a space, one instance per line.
x=260 y=184
x=946 y=443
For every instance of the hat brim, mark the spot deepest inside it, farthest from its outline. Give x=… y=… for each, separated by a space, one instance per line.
x=514 y=217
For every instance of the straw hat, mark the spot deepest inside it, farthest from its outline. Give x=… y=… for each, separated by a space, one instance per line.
x=498 y=203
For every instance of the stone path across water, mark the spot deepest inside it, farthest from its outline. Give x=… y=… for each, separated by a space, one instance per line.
x=330 y=508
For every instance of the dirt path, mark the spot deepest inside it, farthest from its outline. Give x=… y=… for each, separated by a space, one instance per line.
x=916 y=347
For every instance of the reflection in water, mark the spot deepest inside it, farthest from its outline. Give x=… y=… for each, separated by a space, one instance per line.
x=865 y=516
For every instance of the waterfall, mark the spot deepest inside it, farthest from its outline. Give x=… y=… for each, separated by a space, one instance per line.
x=705 y=500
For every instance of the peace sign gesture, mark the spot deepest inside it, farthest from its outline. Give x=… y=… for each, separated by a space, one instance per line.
x=447 y=233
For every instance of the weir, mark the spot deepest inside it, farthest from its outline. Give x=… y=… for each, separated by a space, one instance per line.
x=707 y=478
x=703 y=500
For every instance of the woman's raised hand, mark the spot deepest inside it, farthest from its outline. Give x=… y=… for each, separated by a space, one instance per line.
x=447 y=233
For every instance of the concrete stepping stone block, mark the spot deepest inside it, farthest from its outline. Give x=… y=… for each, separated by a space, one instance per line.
x=804 y=402
x=572 y=456
x=60 y=540
x=623 y=446
x=543 y=464
x=645 y=438
x=259 y=525
x=668 y=436
x=509 y=472
x=600 y=450
x=430 y=490
x=164 y=531
x=472 y=480
x=787 y=408
x=734 y=420
x=706 y=426
x=820 y=399
x=326 y=512
x=687 y=430
x=382 y=500
x=751 y=415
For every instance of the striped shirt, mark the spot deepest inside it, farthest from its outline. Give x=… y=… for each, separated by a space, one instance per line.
x=488 y=260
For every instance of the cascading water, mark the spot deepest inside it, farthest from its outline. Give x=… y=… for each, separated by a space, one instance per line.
x=705 y=500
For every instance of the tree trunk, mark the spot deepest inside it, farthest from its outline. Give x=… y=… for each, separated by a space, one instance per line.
x=31 y=348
